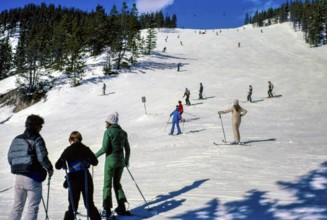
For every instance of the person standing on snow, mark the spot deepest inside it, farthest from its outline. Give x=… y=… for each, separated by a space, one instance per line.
x=201 y=91
x=176 y=118
x=270 y=89
x=116 y=147
x=104 y=89
x=180 y=107
x=249 y=98
x=187 y=94
x=79 y=158
x=179 y=67
x=28 y=159
x=237 y=112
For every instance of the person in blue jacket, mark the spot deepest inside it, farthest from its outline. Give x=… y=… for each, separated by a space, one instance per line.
x=176 y=118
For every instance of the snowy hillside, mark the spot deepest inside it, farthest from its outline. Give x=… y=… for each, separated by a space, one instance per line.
x=280 y=174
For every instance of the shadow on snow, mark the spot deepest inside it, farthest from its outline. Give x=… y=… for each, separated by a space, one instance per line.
x=309 y=192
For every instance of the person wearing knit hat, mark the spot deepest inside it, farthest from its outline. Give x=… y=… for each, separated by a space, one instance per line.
x=237 y=112
x=116 y=147
x=113 y=118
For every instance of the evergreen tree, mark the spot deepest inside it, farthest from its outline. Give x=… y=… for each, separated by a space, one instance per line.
x=247 y=18
x=151 y=40
x=75 y=64
x=5 y=57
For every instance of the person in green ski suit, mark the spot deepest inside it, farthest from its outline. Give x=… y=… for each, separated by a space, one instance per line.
x=115 y=142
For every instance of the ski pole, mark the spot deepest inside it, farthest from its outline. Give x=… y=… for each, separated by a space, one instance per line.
x=48 y=195
x=45 y=209
x=138 y=187
x=190 y=114
x=222 y=126
x=69 y=188
x=167 y=123
x=86 y=193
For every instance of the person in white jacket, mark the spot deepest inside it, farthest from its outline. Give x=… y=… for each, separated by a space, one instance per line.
x=237 y=112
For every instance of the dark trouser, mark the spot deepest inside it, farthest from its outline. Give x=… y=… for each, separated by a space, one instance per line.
x=77 y=183
x=187 y=100
x=249 y=97
x=113 y=173
x=270 y=93
x=200 y=95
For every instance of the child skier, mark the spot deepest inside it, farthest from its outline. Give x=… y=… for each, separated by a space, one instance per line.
x=79 y=158
x=180 y=107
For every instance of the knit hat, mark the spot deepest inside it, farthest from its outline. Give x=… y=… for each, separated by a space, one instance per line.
x=235 y=102
x=113 y=118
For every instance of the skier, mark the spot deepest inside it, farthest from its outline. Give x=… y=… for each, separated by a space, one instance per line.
x=180 y=107
x=176 y=118
x=178 y=66
x=164 y=49
x=104 y=88
x=115 y=142
x=237 y=113
x=187 y=94
x=201 y=91
x=249 y=98
x=79 y=158
x=28 y=159
x=270 y=89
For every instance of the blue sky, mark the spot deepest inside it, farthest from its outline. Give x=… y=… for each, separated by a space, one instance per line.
x=195 y=14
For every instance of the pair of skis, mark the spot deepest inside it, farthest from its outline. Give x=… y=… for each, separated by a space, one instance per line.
x=224 y=140
x=230 y=143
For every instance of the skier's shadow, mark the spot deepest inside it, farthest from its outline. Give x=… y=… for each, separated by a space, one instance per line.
x=165 y=203
x=198 y=103
x=195 y=131
x=263 y=140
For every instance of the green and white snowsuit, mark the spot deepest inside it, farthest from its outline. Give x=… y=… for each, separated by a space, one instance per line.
x=115 y=142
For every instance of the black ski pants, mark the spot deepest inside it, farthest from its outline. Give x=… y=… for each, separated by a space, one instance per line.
x=77 y=185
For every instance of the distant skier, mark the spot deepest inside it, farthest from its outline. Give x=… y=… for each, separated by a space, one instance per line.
x=201 y=91
x=270 y=89
x=239 y=44
x=187 y=94
x=176 y=118
x=178 y=67
x=237 y=113
x=249 y=98
x=180 y=107
x=181 y=43
x=164 y=49
x=104 y=89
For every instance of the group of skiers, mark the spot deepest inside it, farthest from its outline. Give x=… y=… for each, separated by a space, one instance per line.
x=28 y=159
x=270 y=89
x=177 y=113
x=236 y=110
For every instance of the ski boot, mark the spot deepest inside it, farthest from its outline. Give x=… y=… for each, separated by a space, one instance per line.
x=107 y=215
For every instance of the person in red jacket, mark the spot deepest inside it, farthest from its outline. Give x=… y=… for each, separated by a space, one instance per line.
x=180 y=107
